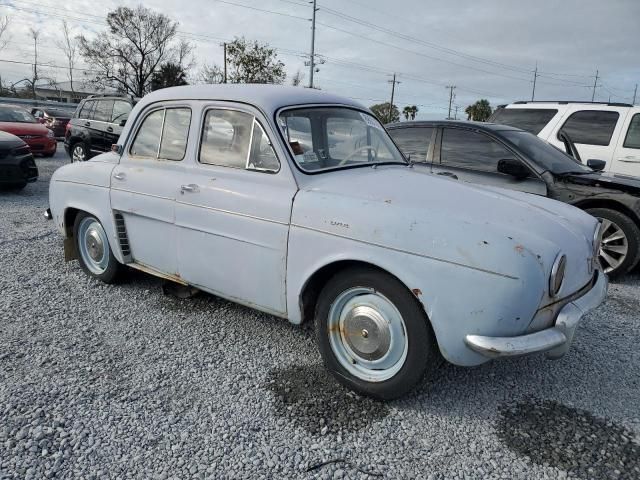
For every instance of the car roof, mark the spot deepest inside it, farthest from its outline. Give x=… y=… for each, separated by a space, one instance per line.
x=555 y=103
x=269 y=98
x=491 y=127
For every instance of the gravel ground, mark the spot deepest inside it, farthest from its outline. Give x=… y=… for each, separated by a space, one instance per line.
x=122 y=381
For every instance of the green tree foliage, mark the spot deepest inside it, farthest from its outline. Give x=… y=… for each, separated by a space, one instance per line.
x=253 y=62
x=410 y=112
x=479 y=111
x=384 y=114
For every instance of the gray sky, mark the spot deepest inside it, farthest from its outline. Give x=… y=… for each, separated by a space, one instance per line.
x=488 y=49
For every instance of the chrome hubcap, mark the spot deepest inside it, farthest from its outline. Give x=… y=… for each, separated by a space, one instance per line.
x=93 y=245
x=78 y=154
x=614 y=246
x=367 y=334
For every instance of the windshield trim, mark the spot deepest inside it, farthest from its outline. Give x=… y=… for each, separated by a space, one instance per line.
x=337 y=168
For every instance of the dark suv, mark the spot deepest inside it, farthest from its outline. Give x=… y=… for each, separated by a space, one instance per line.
x=96 y=125
x=507 y=157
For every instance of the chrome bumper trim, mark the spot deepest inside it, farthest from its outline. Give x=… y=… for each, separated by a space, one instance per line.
x=555 y=340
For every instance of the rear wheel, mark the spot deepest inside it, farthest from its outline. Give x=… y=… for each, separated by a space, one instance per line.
x=373 y=334
x=620 y=248
x=94 y=253
x=78 y=153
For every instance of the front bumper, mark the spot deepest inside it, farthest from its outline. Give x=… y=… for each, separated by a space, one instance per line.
x=18 y=170
x=555 y=340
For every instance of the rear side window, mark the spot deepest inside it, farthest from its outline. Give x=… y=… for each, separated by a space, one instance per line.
x=413 y=141
x=163 y=134
x=102 y=112
x=632 y=140
x=591 y=127
x=86 y=111
x=467 y=149
x=529 y=119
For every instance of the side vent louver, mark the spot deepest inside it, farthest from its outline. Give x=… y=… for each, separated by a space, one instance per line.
x=121 y=231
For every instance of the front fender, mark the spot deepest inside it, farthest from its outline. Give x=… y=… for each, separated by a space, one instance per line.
x=458 y=300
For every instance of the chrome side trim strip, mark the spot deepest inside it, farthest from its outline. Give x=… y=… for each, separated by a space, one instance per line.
x=246 y=215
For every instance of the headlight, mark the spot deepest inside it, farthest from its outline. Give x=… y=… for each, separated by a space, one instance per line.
x=557 y=274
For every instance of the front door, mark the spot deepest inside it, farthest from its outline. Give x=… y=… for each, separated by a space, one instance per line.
x=145 y=184
x=473 y=157
x=234 y=210
x=627 y=155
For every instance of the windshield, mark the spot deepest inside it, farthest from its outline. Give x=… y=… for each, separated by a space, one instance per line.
x=544 y=154
x=326 y=138
x=16 y=114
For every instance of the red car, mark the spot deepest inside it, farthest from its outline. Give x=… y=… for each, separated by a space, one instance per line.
x=21 y=123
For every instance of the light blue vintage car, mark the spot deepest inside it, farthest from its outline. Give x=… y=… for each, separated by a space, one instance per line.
x=297 y=203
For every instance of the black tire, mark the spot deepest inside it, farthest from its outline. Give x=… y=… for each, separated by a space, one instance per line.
x=113 y=270
x=631 y=231
x=79 y=145
x=16 y=187
x=48 y=155
x=423 y=356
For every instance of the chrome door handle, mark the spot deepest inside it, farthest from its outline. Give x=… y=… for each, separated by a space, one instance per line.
x=119 y=176
x=192 y=187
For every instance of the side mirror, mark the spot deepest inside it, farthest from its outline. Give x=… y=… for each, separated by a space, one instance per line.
x=596 y=165
x=513 y=167
x=123 y=122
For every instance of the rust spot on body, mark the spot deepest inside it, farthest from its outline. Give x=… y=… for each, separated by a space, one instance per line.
x=519 y=248
x=417 y=292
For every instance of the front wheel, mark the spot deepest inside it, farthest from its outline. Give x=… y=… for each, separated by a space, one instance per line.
x=78 y=153
x=373 y=334
x=94 y=253
x=620 y=247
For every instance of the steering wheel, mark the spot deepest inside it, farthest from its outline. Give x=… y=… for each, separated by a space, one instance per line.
x=358 y=150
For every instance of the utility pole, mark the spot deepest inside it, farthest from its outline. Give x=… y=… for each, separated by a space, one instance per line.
x=312 y=56
x=224 y=46
x=535 y=77
x=635 y=93
x=451 y=96
x=595 y=84
x=393 y=91
x=455 y=117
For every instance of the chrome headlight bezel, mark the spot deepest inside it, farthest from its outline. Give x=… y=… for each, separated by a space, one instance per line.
x=558 y=270
x=597 y=240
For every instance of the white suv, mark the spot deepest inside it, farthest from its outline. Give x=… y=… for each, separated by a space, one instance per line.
x=602 y=131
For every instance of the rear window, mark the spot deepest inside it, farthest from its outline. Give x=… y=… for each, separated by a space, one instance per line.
x=591 y=127
x=414 y=142
x=632 y=140
x=528 y=119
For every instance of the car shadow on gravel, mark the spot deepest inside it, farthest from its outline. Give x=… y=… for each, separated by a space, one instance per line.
x=569 y=439
x=309 y=397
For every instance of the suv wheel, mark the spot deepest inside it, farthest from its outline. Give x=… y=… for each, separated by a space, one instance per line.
x=78 y=153
x=620 y=249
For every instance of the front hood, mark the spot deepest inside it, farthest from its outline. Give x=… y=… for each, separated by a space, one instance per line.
x=18 y=128
x=609 y=180
x=407 y=209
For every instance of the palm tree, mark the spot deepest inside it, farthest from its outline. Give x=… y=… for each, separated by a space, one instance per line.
x=406 y=111
x=413 y=112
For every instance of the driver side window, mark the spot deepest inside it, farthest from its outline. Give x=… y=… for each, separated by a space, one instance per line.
x=467 y=149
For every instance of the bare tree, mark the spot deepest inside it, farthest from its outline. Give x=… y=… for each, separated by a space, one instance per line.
x=4 y=38
x=210 y=74
x=35 y=34
x=69 y=46
x=297 y=79
x=136 y=43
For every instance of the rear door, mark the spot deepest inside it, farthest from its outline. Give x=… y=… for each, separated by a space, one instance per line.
x=146 y=182
x=627 y=155
x=595 y=130
x=119 y=116
x=473 y=156
x=100 y=123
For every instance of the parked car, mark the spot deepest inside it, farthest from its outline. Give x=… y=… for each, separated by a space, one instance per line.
x=96 y=125
x=17 y=167
x=54 y=119
x=296 y=202
x=601 y=131
x=507 y=157
x=19 y=122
